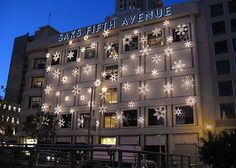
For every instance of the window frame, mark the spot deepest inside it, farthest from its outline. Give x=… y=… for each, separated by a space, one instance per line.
x=124 y=125
x=36 y=66
x=159 y=123
x=111 y=115
x=71 y=120
x=111 y=101
x=183 y=124
x=37 y=77
x=125 y=49
x=221 y=111
x=172 y=31
x=31 y=103
x=75 y=56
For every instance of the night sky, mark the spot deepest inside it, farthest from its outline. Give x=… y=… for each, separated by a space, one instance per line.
x=19 y=17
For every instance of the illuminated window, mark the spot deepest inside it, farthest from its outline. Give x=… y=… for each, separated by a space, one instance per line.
x=155 y=40
x=37 y=82
x=113 y=51
x=133 y=45
x=180 y=33
x=111 y=96
x=186 y=116
x=130 y=118
x=111 y=70
x=89 y=53
x=71 y=55
x=35 y=102
x=40 y=63
x=153 y=119
x=67 y=120
x=109 y=120
x=108 y=140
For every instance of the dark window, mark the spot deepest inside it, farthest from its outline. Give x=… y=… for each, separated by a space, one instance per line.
x=221 y=47
x=225 y=88
x=37 y=82
x=232 y=6
x=234 y=44
x=133 y=45
x=218 y=28
x=65 y=121
x=223 y=67
x=130 y=118
x=40 y=63
x=180 y=33
x=155 y=39
x=109 y=120
x=90 y=52
x=227 y=111
x=72 y=56
x=233 y=25
x=111 y=96
x=216 y=10
x=35 y=102
x=153 y=119
x=111 y=70
x=83 y=120
x=56 y=58
x=185 y=116
x=111 y=50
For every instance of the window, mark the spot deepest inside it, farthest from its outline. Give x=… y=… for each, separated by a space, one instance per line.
x=83 y=120
x=227 y=111
x=109 y=120
x=155 y=40
x=221 y=47
x=153 y=119
x=72 y=56
x=90 y=52
x=66 y=120
x=216 y=10
x=35 y=102
x=225 y=88
x=108 y=140
x=133 y=44
x=130 y=118
x=111 y=96
x=184 y=115
x=111 y=50
x=232 y=6
x=37 y=82
x=111 y=70
x=233 y=25
x=180 y=33
x=40 y=63
x=234 y=44
x=223 y=67
x=218 y=28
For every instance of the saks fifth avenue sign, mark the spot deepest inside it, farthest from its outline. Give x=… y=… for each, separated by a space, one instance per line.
x=116 y=23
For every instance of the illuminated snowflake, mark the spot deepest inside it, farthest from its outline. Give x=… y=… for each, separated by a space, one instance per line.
x=139 y=70
x=154 y=72
x=56 y=73
x=119 y=116
x=132 y=56
x=97 y=83
x=70 y=55
x=190 y=100
x=168 y=51
x=89 y=90
x=45 y=121
x=103 y=94
x=143 y=89
x=48 y=89
x=67 y=98
x=124 y=68
x=156 y=58
x=89 y=103
x=187 y=83
x=48 y=55
x=126 y=86
x=102 y=109
x=71 y=111
x=82 y=49
x=82 y=97
x=131 y=104
x=169 y=39
x=168 y=87
x=115 y=56
x=97 y=123
x=56 y=56
x=113 y=77
x=81 y=121
x=93 y=45
x=181 y=30
x=127 y=39
x=179 y=112
x=143 y=39
x=78 y=60
x=45 y=107
x=187 y=44
x=166 y=22
x=160 y=112
x=106 y=33
x=64 y=79
x=87 y=69
x=135 y=32
x=140 y=120
x=58 y=109
x=109 y=47
x=57 y=93
x=61 y=123
x=48 y=68
x=156 y=32
x=76 y=90
x=104 y=74
x=75 y=72
x=178 y=66
x=145 y=50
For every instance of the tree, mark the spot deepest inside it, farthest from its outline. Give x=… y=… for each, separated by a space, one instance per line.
x=219 y=150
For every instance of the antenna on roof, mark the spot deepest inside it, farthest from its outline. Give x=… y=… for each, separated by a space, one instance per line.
x=49 y=16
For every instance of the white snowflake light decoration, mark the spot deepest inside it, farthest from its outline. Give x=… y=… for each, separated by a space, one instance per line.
x=143 y=89
x=119 y=116
x=57 y=93
x=82 y=49
x=168 y=87
x=156 y=32
x=179 y=112
x=67 y=98
x=61 y=123
x=75 y=72
x=168 y=51
x=136 y=32
x=113 y=77
x=115 y=56
x=166 y=22
x=89 y=103
x=127 y=39
x=124 y=68
x=178 y=66
x=93 y=45
x=56 y=56
x=82 y=97
x=131 y=104
x=156 y=58
x=104 y=74
x=139 y=70
x=102 y=109
x=81 y=121
x=71 y=111
x=132 y=56
x=76 y=90
x=48 y=68
x=187 y=44
x=190 y=100
x=181 y=30
x=56 y=73
x=86 y=37
x=154 y=72
x=187 y=83
x=97 y=83
x=108 y=47
x=48 y=89
x=126 y=86
x=87 y=69
x=140 y=120
x=48 y=55
x=89 y=90
x=169 y=39
x=160 y=112
x=97 y=123
x=64 y=79
x=106 y=33
x=58 y=109
x=145 y=50
x=78 y=60
x=143 y=40
x=103 y=95
x=70 y=55
x=45 y=107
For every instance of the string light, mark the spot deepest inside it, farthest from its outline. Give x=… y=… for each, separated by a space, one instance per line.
x=75 y=72
x=156 y=32
x=70 y=55
x=56 y=56
x=169 y=39
x=156 y=58
x=179 y=112
x=56 y=73
x=168 y=87
x=168 y=51
x=48 y=68
x=190 y=100
x=126 y=86
x=76 y=90
x=45 y=107
x=166 y=22
x=143 y=89
x=87 y=69
x=188 y=44
x=187 y=83
x=145 y=50
x=131 y=104
x=82 y=49
x=67 y=98
x=85 y=37
x=178 y=66
x=48 y=89
x=113 y=77
x=140 y=120
x=154 y=72
x=58 y=109
x=136 y=32
x=159 y=112
x=61 y=123
x=127 y=39
x=102 y=109
x=106 y=33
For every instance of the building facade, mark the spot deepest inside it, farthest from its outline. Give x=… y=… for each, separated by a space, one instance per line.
x=155 y=78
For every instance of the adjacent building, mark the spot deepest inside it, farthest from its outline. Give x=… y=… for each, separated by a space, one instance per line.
x=156 y=77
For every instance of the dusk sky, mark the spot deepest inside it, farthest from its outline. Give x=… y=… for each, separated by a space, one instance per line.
x=19 y=17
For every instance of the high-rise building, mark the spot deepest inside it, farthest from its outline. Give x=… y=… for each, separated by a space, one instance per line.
x=158 y=78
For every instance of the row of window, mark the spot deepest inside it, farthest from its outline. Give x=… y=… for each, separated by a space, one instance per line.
x=221 y=47
x=219 y=27
x=218 y=9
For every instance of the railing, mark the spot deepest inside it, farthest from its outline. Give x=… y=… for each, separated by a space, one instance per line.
x=81 y=156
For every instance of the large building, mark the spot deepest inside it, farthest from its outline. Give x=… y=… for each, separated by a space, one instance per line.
x=158 y=78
